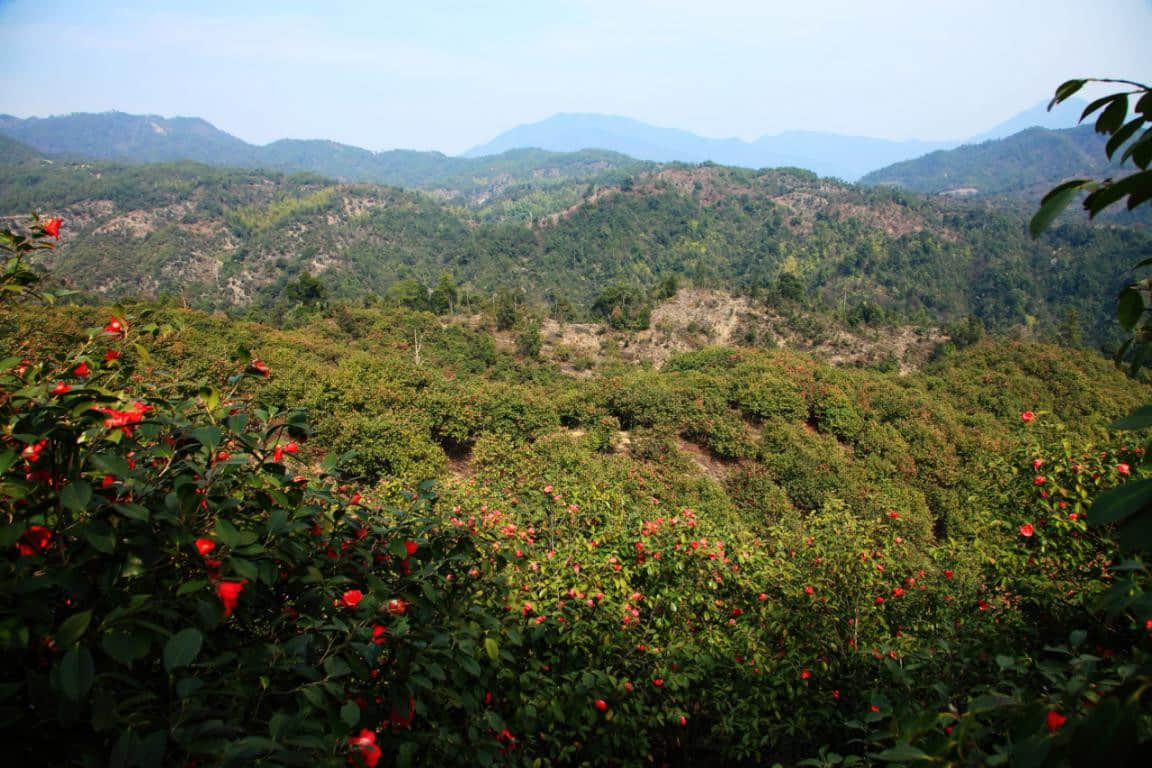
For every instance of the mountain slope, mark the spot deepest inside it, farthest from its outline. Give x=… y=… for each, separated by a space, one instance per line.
x=121 y=137
x=845 y=157
x=1025 y=165
x=230 y=238
x=12 y=152
x=823 y=153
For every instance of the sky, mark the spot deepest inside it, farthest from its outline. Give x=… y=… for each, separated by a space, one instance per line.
x=448 y=75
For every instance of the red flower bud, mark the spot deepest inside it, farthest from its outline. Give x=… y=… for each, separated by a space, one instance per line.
x=34 y=541
x=229 y=592
x=52 y=227
x=365 y=751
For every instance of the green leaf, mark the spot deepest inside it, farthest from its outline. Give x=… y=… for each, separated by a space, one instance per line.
x=245 y=569
x=123 y=648
x=1112 y=118
x=230 y=536
x=350 y=714
x=1122 y=135
x=905 y=752
x=1066 y=90
x=1118 y=503
x=1054 y=203
x=7 y=459
x=492 y=648
x=111 y=464
x=334 y=666
x=77 y=673
x=1140 y=418
x=1135 y=534
x=76 y=495
x=1110 y=193
x=195 y=585
x=188 y=686
x=1099 y=103
x=100 y=535
x=209 y=437
x=182 y=648
x=73 y=628
x=1129 y=307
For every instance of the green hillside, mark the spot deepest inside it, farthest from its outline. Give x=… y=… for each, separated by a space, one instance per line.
x=142 y=139
x=1024 y=165
x=234 y=239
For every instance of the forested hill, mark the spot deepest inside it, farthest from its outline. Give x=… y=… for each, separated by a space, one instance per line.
x=1024 y=165
x=120 y=137
x=227 y=238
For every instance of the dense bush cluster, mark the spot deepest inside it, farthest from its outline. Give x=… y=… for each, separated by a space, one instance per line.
x=200 y=574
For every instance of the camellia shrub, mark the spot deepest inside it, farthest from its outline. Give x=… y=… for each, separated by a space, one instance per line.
x=186 y=579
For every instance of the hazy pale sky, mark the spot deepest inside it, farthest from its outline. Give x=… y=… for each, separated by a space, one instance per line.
x=450 y=74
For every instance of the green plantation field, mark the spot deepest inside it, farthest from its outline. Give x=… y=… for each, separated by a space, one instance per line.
x=746 y=556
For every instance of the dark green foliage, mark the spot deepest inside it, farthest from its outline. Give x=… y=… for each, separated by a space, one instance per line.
x=220 y=238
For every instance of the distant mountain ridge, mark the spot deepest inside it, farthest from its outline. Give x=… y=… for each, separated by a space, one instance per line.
x=121 y=137
x=615 y=141
x=1024 y=165
x=828 y=154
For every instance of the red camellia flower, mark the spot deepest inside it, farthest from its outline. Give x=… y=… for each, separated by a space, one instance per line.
x=82 y=370
x=260 y=367
x=115 y=327
x=365 y=751
x=204 y=546
x=805 y=674
x=112 y=354
x=1055 y=720
x=32 y=450
x=52 y=227
x=397 y=606
x=292 y=447
x=379 y=634
x=1027 y=530
x=34 y=541
x=948 y=575
x=61 y=388
x=1027 y=416
x=1123 y=469
x=411 y=547
x=277 y=454
x=658 y=682
x=228 y=592
x=879 y=600
x=601 y=705
x=1039 y=480
x=352 y=598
